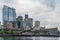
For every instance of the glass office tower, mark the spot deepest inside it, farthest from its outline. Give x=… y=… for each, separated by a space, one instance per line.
x=9 y=14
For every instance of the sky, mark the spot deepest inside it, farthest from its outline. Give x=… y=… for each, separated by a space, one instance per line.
x=46 y=11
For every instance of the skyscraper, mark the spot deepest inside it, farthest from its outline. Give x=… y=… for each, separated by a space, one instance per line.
x=30 y=22
x=20 y=22
x=9 y=14
x=26 y=22
x=26 y=19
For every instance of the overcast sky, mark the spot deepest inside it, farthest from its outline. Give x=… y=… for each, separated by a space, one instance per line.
x=46 y=11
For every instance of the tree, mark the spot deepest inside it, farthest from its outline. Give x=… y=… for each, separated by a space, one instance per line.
x=9 y=32
x=2 y=31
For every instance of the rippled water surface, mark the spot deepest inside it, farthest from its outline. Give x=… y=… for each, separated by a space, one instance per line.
x=29 y=38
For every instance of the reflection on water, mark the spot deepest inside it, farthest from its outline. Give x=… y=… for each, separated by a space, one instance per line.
x=29 y=38
x=46 y=38
x=11 y=38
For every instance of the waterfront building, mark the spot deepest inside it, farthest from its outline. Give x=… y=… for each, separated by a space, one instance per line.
x=44 y=31
x=20 y=22
x=9 y=25
x=9 y=14
x=37 y=23
x=35 y=28
x=51 y=31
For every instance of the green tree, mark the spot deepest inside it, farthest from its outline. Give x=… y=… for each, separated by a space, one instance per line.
x=2 y=31
x=9 y=31
x=15 y=32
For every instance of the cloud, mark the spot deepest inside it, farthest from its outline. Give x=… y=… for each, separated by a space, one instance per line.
x=47 y=11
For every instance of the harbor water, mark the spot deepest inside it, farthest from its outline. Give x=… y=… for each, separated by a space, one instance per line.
x=29 y=38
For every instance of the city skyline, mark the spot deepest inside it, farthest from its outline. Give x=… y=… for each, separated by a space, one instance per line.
x=47 y=13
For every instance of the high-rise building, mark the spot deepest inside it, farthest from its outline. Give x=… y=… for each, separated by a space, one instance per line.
x=9 y=14
x=30 y=22
x=20 y=22
x=37 y=23
x=25 y=22
x=20 y=18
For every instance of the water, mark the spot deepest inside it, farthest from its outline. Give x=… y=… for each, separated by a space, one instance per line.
x=29 y=38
